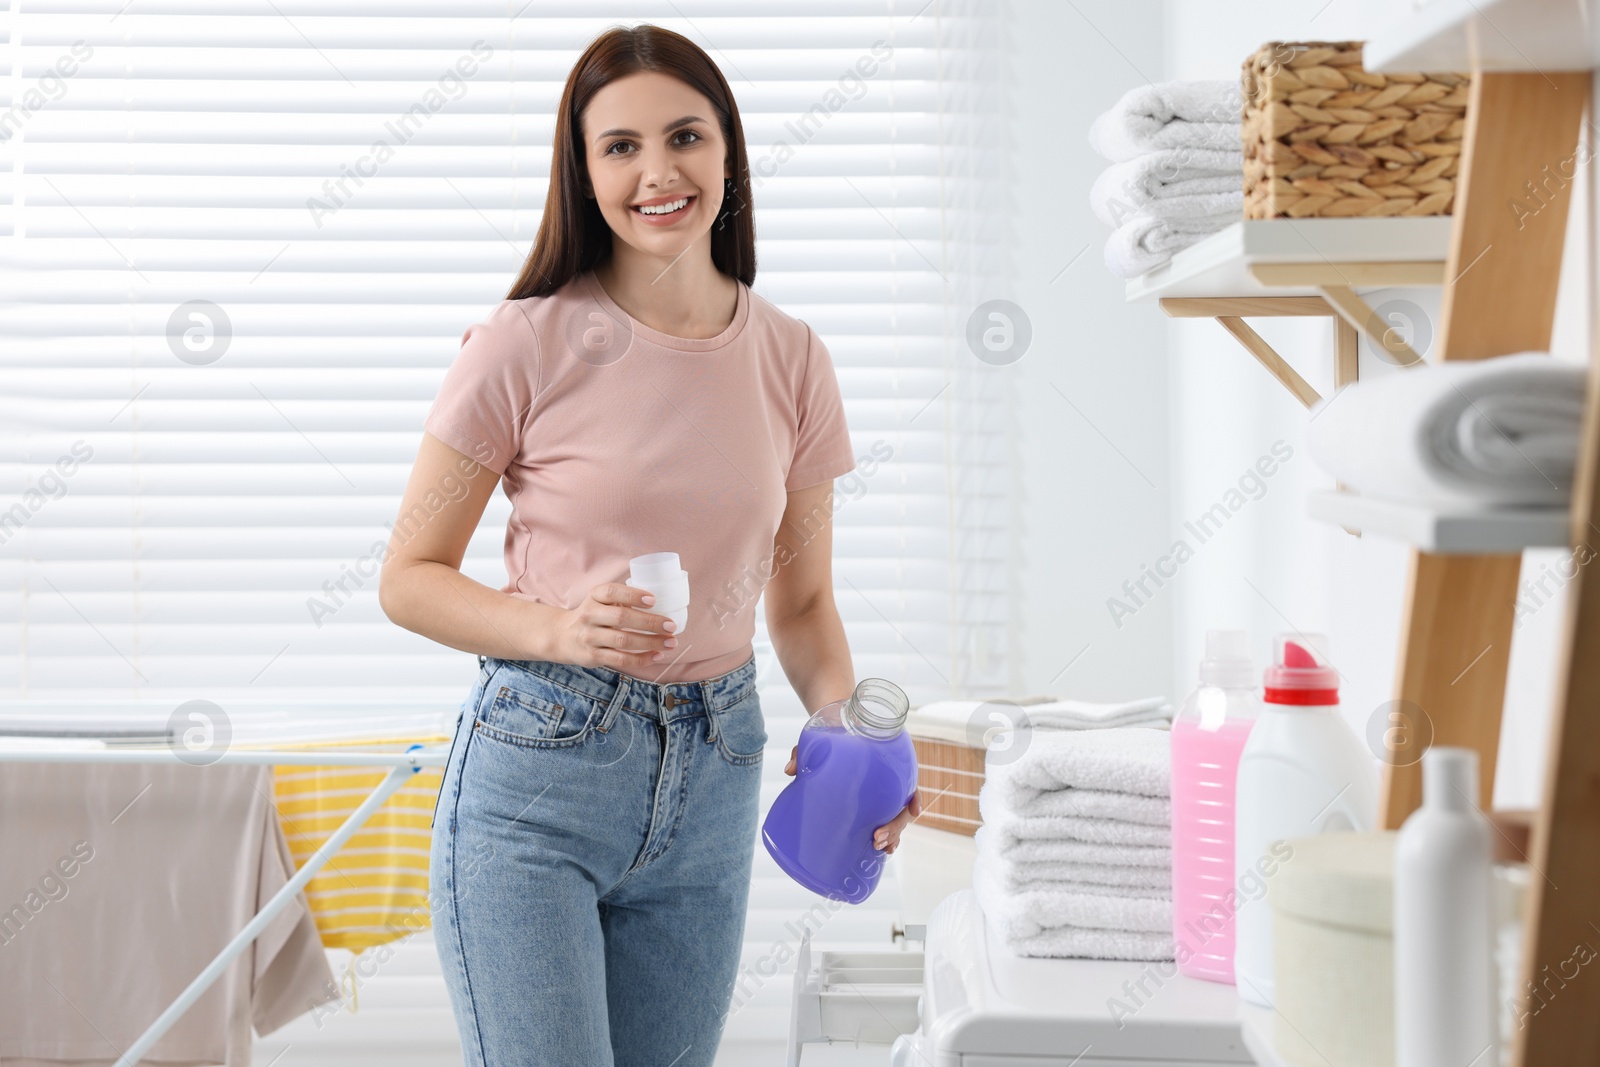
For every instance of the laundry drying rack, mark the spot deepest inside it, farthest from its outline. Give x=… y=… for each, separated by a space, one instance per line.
x=402 y=765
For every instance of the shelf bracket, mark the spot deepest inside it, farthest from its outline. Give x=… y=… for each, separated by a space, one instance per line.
x=1268 y=357
x=1356 y=312
x=1337 y=283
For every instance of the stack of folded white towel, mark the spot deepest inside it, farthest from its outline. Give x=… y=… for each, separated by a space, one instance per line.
x=1177 y=172
x=1075 y=850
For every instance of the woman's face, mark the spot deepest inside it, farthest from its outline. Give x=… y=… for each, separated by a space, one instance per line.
x=650 y=139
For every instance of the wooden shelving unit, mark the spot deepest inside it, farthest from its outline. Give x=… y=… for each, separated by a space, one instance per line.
x=1530 y=92
x=1499 y=271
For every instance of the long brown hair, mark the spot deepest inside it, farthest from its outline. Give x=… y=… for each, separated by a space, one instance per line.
x=573 y=235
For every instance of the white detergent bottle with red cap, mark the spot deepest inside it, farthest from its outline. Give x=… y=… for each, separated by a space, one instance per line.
x=1303 y=772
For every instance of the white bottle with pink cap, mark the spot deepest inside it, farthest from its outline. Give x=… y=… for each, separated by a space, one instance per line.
x=1303 y=771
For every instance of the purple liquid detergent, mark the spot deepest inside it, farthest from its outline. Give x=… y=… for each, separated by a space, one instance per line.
x=856 y=769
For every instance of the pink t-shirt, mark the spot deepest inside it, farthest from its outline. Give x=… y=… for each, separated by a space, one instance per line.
x=613 y=440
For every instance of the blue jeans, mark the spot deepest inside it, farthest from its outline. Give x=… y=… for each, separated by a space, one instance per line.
x=591 y=861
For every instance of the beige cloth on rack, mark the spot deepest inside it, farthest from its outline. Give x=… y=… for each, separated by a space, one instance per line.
x=119 y=884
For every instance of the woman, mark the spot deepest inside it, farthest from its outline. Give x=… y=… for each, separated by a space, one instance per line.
x=597 y=822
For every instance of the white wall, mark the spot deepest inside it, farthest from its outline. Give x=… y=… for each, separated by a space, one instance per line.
x=1091 y=483
x=1272 y=568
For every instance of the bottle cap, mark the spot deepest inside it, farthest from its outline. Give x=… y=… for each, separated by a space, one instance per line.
x=1300 y=673
x=666 y=579
x=1450 y=777
x=1227 y=663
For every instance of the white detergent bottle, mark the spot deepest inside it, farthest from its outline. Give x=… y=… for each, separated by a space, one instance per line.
x=1303 y=772
x=1445 y=982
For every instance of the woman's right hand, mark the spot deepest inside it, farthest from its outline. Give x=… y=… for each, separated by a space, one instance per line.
x=596 y=633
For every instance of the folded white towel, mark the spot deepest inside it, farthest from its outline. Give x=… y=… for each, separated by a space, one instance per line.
x=1145 y=242
x=1027 y=913
x=1073 y=942
x=1086 y=803
x=1176 y=114
x=1012 y=831
x=1093 y=853
x=1030 y=875
x=1005 y=914
x=1007 y=828
x=1088 y=715
x=975 y=722
x=1121 y=759
x=1475 y=433
x=961 y=722
x=1163 y=186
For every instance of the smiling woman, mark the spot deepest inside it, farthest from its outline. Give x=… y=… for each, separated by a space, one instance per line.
x=635 y=396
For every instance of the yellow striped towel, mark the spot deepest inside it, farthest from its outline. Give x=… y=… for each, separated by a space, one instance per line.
x=375 y=889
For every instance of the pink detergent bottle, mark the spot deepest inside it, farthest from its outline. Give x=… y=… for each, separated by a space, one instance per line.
x=855 y=770
x=1208 y=734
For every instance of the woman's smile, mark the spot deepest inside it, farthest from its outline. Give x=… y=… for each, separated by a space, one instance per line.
x=678 y=208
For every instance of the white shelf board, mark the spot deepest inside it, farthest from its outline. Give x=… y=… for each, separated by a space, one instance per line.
x=1444 y=532
x=1220 y=264
x=1500 y=35
x=1255 y=1027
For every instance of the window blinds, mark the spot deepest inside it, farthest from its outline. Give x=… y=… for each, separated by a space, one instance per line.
x=241 y=240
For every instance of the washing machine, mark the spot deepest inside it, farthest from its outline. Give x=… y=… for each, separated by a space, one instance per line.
x=983 y=1006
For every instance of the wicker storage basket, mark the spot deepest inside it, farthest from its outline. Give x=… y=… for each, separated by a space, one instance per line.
x=949 y=776
x=951 y=762
x=1324 y=138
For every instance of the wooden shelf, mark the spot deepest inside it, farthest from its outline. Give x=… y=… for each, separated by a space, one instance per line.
x=1499 y=35
x=1445 y=532
x=1300 y=256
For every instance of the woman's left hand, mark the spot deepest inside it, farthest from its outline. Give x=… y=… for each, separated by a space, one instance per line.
x=887 y=837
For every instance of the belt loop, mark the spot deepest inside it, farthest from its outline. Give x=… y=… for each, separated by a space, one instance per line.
x=609 y=715
x=711 y=711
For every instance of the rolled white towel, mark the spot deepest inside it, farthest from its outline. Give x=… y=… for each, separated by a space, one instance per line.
x=1175 y=114
x=1170 y=184
x=1476 y=433
x=1120 y=759
x=1084 y=803
x=1145 y=242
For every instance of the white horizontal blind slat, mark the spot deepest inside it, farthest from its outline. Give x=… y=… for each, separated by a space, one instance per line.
x=220 y=503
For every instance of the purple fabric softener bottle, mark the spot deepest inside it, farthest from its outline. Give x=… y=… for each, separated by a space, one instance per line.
x=855 y=770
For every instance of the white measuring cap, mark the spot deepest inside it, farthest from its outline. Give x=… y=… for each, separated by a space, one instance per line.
x=664 y=577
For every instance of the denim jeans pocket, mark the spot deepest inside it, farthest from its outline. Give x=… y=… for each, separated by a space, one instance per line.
x=741 y=730
x=534 y=712
x=455 y=736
